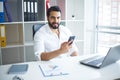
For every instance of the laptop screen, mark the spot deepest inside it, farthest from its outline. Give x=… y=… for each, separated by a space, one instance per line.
x=112 y=56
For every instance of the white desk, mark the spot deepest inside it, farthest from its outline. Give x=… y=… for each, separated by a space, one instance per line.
x=76 y=71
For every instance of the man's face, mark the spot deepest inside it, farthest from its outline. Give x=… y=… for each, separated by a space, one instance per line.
x=54 y=19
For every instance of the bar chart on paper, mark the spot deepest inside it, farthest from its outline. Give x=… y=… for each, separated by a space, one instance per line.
x=52 y=70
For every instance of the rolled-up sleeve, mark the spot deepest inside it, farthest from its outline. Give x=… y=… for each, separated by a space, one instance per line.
x=38 y=45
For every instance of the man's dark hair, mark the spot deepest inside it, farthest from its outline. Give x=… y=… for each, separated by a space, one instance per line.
x=53 y=8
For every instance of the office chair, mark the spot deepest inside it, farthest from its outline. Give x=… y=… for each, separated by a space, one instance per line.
x=36 y=27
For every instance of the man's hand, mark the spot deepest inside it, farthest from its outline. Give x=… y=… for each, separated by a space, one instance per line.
x=65 y=47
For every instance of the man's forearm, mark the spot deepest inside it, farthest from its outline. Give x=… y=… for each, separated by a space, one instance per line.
x=50 y=55
x=65 y=47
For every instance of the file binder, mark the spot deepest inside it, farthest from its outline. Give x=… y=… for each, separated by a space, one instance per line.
x=0 y=37
x=8 y=11
x=1 y=11
x=25 y=10
x=47 y=4
x=35 y=10
x=32 y=10
x=29 y=11
x=3 y=35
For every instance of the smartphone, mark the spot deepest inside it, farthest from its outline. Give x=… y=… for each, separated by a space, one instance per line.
x=71 y=38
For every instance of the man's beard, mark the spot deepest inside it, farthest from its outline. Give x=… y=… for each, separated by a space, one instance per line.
x=54 y=25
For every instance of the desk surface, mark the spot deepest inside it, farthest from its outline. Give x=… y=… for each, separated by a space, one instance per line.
x=76 y=70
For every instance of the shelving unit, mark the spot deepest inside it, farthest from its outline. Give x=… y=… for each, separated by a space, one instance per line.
x=19 y=32
x=75 y=21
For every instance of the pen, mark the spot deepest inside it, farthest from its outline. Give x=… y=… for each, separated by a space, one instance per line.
x=63 y=73
x=54 y=67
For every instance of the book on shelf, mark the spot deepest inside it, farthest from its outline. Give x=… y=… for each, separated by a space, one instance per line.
x=2 y=35
x=1 y=11
x=18 y=69
x=52 y=70
x=8 y=11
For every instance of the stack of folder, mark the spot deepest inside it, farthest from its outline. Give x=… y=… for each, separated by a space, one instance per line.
x=30 y=10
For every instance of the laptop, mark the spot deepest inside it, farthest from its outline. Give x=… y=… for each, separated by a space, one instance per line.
x=98 y=61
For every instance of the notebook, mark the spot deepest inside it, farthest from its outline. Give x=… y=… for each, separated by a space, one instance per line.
x=52 y=70
x=99 y=61
x=18 y=69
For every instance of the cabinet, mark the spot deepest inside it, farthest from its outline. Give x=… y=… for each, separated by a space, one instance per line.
x=75 y=21
x=19 y=32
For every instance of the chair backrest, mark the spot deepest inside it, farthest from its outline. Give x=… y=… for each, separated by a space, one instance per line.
x=36 y=27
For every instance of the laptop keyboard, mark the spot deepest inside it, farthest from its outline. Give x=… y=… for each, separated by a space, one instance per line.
x=97 y=61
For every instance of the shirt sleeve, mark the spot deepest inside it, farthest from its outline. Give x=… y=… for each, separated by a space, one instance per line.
x=38 y=45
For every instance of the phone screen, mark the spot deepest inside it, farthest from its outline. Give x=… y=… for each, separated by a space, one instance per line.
x=71 y=38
